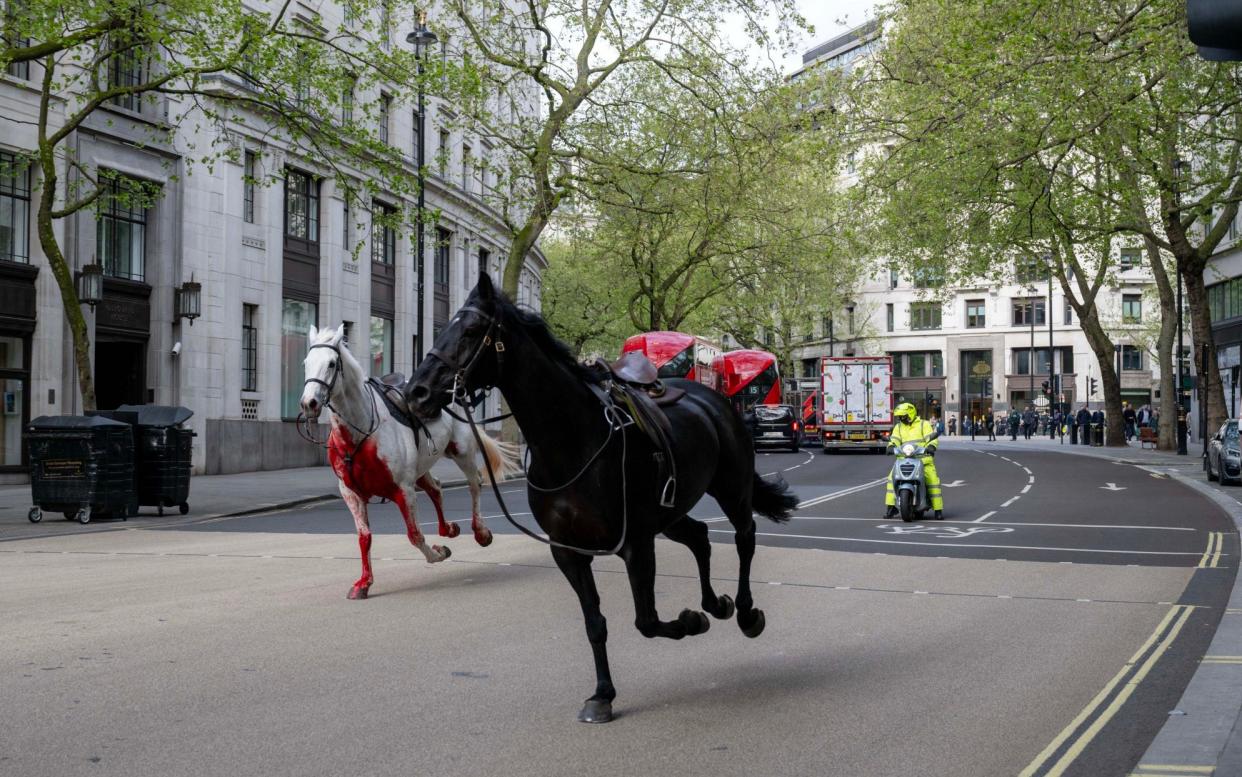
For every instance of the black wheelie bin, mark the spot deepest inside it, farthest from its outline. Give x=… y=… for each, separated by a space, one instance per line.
x=162 y=451
x=82 y=467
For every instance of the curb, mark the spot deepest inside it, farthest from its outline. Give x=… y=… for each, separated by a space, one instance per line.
x=302 y=501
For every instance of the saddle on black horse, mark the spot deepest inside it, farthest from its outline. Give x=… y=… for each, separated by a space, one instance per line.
x=635 y=385
x=391 y=389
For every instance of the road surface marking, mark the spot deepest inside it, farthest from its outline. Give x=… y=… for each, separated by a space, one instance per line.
x=1222 y=660
x=1208 y=560
x=843 y=492
x=1170 y=770
x=973 y=545
x=1011 y=501
x=1026 y=488
x=1028 y=471
x=944 y=532
x=984 y=517
x=1177 y=615
x=1032 y=480
x=1112 y=487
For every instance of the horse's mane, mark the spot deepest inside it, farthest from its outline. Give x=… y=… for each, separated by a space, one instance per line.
x=536 y=328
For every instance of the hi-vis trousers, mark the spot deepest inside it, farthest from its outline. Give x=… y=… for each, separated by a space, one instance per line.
x=929 y=476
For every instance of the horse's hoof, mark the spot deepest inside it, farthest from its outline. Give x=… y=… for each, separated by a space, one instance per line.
x=596 y=711
x=724 y=607
x=357 y=592
x=694 y=621
x=443 y=551
x=751 y=622
x=450 y=530
x=483 y=537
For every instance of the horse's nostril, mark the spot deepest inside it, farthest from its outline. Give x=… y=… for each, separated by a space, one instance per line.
x=312 y=403
x=419 y=392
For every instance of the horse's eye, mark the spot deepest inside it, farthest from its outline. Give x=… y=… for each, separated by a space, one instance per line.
x=332 y=364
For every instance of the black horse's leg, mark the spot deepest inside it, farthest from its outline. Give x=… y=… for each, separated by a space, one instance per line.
x=577 y=569
x=639 y=555
x=749 y=619
x=693 y=535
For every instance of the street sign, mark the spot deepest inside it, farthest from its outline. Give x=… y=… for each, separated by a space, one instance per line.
x=1041 y=401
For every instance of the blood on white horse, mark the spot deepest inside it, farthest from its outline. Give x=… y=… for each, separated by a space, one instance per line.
x=374 y=456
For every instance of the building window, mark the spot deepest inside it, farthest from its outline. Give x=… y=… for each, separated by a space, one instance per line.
x=297 y=317
x=444 y=240
x=347 y=237
x=826 y=324
x=1131 y=359
x=347 y=96
x=127 y=68
x=918 y=364
x=418 y=137
x=250 y=348
x=888 y=317
x=768 y=339
x=1130 y=258
x=1031 y=269
x=385 y=110
x=16 y=69
x=925 y=315
x=348 y=334
x=121 y=229
x=1131 y=308
x=465 y=168
x=1023 y=309
x=301 y=206
x=381 y=346
x=385 y=23
x=14 y=209
x=892 y=277
x=927 y=278
x=442 y=150
x=850 y=321
x=249 y=173
x=383 y=235
x=976 y=313
x=1022 y=360
x=899 y=364
x=1069 y=313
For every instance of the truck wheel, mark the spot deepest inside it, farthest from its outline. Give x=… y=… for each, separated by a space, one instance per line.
x=35 y=515
x=905 y=506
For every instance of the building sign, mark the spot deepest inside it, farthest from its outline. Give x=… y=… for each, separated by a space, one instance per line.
x=1229 y=356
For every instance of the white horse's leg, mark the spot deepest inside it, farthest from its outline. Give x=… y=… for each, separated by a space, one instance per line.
x=358 y=508
x=431 y=487
x=474 y=481
x=405 y=503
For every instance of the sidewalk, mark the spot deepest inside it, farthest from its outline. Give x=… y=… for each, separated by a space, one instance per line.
x=211 y=496
x=1203 y=734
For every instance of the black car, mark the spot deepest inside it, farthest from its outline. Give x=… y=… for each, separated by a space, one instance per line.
x=775 y=425
x=1224 y=459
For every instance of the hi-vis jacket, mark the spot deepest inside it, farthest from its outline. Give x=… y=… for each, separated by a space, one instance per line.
x=917 y=433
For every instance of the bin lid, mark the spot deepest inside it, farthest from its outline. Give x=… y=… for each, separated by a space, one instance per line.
x=73 y=422
x=159 y=415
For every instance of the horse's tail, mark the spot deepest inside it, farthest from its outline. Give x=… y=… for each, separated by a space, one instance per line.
x=501 y=456
x=772 y=499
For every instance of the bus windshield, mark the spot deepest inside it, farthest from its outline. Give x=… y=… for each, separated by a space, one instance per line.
x=678 y=366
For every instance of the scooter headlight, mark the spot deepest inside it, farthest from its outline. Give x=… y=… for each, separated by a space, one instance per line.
x=908 y=449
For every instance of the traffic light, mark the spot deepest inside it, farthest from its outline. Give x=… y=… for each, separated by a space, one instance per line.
x=1047 y=389
x=1215 y=26
x=1091 y=383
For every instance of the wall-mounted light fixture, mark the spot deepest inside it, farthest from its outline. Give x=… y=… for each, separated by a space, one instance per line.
x=90 y=284
x=188 y=301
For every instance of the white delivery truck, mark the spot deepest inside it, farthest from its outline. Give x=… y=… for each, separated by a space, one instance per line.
x=857 y=405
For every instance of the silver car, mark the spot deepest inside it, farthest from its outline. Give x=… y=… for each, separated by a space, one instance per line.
x=1224 y=459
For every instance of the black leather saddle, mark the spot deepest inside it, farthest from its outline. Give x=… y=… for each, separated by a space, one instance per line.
x=636 y=387
x=391 y=389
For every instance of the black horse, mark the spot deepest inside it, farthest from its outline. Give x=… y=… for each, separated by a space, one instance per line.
x=595 y=487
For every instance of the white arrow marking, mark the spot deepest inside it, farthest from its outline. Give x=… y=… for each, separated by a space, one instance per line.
x=954 y=484
x=1113 y=487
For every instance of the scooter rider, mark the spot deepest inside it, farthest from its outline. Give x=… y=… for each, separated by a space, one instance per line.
x=911 y=428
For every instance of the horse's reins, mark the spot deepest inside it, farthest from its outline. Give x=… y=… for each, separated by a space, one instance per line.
x=613 y=416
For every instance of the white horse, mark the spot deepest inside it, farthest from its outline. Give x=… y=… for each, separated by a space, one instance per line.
x=374 y=455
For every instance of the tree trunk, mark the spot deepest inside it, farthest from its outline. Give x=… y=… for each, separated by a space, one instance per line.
x=1206 y=370
x=1167 y=432
x=64 y=281
x=1105 y=354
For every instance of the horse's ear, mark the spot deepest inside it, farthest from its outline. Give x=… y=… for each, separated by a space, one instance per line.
x=340 y=334
x=313 y=334
x=485 y=288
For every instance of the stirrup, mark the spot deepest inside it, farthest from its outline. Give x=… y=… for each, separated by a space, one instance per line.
x=668 y=496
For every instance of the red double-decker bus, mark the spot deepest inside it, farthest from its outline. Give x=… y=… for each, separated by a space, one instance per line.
x=748 y=378
x=677 y=355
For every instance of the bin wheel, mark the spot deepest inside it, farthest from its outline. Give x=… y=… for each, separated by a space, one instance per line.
x=184 y=507
x=84 y=515
x=35 y=515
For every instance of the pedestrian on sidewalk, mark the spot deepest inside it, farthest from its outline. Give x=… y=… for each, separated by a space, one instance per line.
x=1131 y=420
x=1144 y=417
x=990 y=420
x=1097 y=426
x=1055 y=425
x=952 y=426
x=1084 y=425
x=1014 y=423
x=1029 y=419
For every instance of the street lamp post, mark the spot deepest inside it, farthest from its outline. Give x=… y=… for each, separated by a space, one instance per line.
x=422 y=39
x=1178 y=166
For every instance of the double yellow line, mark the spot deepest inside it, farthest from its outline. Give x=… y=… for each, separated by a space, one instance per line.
x=1084 y=728
x=1211 y=557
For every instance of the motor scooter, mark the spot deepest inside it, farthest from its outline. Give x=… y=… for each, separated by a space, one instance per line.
x=909 y=486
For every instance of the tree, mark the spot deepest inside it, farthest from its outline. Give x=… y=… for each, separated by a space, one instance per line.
x=217 y=67
x=574 y=57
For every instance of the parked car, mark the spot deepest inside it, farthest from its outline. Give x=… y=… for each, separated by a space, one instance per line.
x=775 y=425
x=1224 y=459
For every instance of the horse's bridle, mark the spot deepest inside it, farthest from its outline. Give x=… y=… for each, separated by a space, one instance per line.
x=461 y=372
x=329 y=385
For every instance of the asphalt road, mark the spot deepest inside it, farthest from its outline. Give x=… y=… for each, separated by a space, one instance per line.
x=1048 y=625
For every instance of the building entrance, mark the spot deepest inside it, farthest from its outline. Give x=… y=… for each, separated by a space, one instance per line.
x=120 y=373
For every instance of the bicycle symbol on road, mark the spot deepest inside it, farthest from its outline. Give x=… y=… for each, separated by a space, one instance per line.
x=946 y=532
